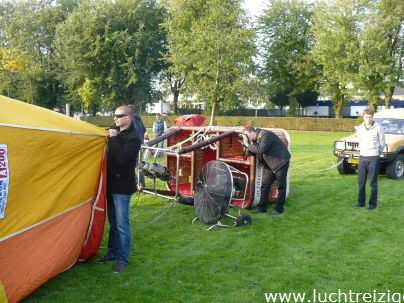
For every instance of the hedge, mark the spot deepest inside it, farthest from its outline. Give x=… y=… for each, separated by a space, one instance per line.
x=288 y=123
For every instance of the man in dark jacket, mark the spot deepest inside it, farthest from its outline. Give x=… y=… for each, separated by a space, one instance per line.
x=140 y=130
x=138 y=123
x=124 y=145
x=274 y=156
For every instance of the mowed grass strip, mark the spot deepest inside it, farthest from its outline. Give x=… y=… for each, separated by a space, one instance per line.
x=321 y=242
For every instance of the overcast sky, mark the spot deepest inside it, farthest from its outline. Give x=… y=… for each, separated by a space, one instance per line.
x=254 y=7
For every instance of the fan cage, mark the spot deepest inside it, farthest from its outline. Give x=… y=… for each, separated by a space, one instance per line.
x=212 y=186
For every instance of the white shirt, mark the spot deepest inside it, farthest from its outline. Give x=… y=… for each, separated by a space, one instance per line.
x=371 y=140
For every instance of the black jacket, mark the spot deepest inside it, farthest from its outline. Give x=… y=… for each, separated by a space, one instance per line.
x=271 y=148
x=122 y=157
x=139 y=127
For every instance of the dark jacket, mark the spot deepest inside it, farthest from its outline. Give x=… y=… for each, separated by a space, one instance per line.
x=122 y=157
x=139 y=127
x=273 y=151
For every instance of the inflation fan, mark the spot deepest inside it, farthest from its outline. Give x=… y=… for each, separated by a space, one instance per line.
x=217 y=186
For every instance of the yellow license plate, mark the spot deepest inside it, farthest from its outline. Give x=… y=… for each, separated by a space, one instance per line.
x=353 y=161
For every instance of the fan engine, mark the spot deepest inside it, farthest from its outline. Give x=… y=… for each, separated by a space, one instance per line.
x=215 y=189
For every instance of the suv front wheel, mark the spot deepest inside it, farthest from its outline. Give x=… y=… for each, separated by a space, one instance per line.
x=344 y=168
x=395 y=169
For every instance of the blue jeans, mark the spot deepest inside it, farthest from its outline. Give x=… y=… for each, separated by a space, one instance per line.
x=368 y=166
x=159 y=153
x=119 y=232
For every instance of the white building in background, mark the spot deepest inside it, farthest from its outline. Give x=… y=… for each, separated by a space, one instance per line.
x=162 y=107
x=166 y=106
x=316 y=110
x=323 y=108
x=357 y=107
x=190 y=102
x=357 y=110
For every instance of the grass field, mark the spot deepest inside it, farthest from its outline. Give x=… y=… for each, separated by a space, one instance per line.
x=321 y=242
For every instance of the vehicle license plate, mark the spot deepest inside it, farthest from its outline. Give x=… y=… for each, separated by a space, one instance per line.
x=353 y=161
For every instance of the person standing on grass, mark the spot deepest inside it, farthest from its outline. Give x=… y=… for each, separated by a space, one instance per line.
x=371 y=144
x=140 y=130
x=275 y=157
x=123 y=150
x=138 y=123
x=159 y=128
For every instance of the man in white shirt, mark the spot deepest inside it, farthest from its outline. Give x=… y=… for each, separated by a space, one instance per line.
x=371 y=144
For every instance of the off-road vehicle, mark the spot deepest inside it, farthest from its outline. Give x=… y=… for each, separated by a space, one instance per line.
x=392 y=158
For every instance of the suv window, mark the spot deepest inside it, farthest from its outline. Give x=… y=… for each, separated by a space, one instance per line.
x=391 y=126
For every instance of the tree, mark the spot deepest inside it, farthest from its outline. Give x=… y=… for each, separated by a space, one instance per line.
x=89 y=95
x=335 y=25
x=7 y=10
x=28 y=27
x=307 y=98
x=12 y=64
x=285 y=41
x=170 y=79
x=281 y=99
x=393 y=23
x=115 y=44
x=175 y=85
x=380 y=49
x=210 y=43
x=257 y=92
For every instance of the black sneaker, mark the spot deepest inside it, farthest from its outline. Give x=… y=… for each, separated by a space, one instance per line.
x=119 y=267
x=371 y=207
x=359 y=205
x=105 y=259
x=275 y=213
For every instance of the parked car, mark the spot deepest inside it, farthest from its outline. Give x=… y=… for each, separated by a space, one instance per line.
x=392 y=158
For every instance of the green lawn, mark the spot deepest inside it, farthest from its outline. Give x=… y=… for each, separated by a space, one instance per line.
x=320 y=242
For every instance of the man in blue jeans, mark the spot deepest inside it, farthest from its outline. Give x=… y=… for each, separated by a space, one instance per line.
x=371 y=144
x=124 y=145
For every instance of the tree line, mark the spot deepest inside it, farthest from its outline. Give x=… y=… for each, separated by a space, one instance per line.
x=97 y=54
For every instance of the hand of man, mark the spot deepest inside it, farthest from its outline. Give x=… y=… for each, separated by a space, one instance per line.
x=113 y=132
x=245 y=141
